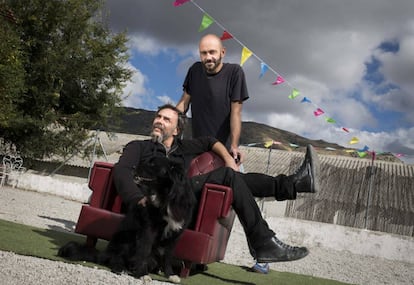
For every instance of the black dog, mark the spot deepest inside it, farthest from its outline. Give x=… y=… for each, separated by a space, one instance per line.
x=147 y=236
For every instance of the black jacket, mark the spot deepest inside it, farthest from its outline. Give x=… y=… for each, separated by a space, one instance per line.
x=136 y=152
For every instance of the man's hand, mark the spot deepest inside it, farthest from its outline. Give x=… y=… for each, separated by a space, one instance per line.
x=237 y=155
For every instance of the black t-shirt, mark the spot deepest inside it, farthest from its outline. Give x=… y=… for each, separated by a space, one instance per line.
x=211 y=98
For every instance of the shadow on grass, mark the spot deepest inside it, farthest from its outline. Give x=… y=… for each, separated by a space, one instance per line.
x=67 y=225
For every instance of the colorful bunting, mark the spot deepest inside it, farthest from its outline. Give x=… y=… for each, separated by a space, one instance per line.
x=279 y=80
x=305 y=100
x=180 y=2
x=365 y=148
x=293 y=145
x=330 y=120
x=226 y=36
x=205 y=22
x=318 y=112
x=263 y=68
x=354 y=140
x=330 y=148
x=362 y=154
x=373 y=154
x=295 y=93
x=268 y=144
x=246 y=53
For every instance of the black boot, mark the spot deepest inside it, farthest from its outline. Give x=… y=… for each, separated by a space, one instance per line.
x=306 y=178
x=274 y=250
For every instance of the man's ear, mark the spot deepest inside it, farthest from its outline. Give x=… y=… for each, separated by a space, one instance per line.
x=223 y=51
x=176 y=131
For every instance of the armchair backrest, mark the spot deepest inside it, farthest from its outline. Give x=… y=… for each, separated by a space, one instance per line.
x=101 y=183
x=204 y=163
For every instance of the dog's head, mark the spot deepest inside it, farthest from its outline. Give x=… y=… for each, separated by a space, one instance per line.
x=159 y=174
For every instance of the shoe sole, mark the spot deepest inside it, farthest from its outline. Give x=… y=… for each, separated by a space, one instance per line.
x=315 y=168
x=260 y=269
x=271 y=260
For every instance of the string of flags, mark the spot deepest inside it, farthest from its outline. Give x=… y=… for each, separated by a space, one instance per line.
x=207 y=20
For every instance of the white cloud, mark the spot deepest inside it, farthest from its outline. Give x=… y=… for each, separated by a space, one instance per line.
x=319 y=46
x=135 y=92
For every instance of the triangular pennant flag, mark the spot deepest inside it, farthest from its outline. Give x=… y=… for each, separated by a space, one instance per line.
x=246 y=53
x=318 y=112
x=268 y=143
x=350 y=150
x=295 y=93
x=330 y=120
x=305 y=100
x=374 y=156
x=276 y=142
x=365 y=148
x=293 y=145
x=345 y=130
x=180 y=2
x=399 y=155
x=354 y=140
x=362 y=154
x=263 y=68
x=279 y=80
x=330 y=148
x=205 y=22
x=225 y=36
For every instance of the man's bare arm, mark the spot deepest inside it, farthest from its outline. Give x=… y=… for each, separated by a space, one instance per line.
x=184 y=102
x=235 y=128
x=221 y=151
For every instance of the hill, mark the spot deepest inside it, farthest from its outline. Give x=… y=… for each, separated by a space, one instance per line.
x=138 y=121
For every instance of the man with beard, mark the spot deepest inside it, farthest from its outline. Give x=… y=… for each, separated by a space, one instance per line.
x=216 y=92
x=166 y=128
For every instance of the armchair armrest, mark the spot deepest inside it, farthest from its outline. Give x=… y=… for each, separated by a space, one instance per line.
x=215 y=204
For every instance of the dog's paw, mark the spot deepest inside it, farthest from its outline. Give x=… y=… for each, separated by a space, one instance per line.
x=174 y=279
x=146 y=280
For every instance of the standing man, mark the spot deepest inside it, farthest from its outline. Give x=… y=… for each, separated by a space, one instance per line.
x=216 y=92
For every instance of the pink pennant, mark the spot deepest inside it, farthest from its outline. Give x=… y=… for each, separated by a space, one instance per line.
x=180 y=2
x=345 y=130
x=226 y=35
x=318 y=112
x=279 y=80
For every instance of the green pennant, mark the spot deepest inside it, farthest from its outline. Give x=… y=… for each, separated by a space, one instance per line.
x=205 y=22
x=295 y=93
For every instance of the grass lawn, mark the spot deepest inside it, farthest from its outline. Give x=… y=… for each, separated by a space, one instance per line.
x=44 y=243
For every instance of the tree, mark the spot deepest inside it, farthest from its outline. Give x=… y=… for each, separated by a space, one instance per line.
x=74 y=71
x=11 y=68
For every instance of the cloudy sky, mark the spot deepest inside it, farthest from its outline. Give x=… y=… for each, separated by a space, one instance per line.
x=353 y=59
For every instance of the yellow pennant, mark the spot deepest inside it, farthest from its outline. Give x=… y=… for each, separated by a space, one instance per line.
x=246 y=53
x=354 y=140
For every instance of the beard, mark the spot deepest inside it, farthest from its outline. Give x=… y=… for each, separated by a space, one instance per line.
x=158 y=136
x=216 y=63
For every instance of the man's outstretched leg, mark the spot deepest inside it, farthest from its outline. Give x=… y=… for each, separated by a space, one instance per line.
x=305 y=179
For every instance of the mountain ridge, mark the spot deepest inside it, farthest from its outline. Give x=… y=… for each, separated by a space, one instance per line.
x=253 y=134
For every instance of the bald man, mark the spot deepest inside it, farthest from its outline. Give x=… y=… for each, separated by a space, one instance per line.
x=216 y=92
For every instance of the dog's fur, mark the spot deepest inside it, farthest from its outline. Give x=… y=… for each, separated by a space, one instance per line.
x=147 y=236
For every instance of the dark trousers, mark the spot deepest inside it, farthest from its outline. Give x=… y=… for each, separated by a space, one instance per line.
x=245 y=188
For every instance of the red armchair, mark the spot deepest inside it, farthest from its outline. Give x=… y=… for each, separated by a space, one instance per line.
x=204 y=244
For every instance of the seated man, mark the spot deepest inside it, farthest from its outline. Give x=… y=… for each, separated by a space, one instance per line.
x=263 y=243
